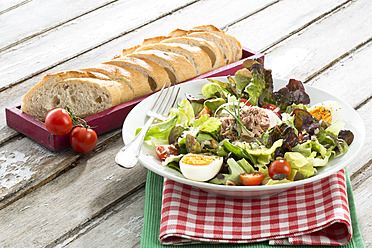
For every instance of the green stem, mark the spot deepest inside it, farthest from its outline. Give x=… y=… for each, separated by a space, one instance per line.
x=76 y=120
x=238 y=120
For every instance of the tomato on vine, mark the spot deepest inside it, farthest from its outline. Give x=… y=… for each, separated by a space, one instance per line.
x=58 y=121
x=83 y=139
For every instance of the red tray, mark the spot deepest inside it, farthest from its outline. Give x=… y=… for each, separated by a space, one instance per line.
x=104 y=121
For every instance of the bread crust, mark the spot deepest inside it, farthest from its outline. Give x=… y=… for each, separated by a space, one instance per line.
x=173 y=63
x=198 y=58
x=149 y=69
x=231 y=40
x=137 y=83
x=220 y=42
x=210 y=48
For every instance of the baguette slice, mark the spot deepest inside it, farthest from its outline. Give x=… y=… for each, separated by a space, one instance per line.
x=210 y=48
x=155 y=74
x=198 y=58
x=231 y=40
x=86 y=96
x=135 y=84
x=221 y=43
x=178 y=67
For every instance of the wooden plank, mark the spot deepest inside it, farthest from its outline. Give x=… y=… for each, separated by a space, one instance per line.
x=275 y=23
x=121 y=226
x=9 y=5
x=51 y=214
x=26 y=165
x=363 y=196
x=61 y=44
x=321 y=43
x=41 y=16
x=338 y=78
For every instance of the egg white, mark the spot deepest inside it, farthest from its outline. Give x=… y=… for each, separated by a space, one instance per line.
x=201 y=172
x=333 y=106
x=273 y=118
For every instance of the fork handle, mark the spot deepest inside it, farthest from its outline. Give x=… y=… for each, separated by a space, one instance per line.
x=128 y=156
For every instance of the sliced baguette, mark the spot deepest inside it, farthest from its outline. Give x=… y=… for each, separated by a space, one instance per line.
x=178 y=67
x=220 y=42
x=198 y=58
x=155 y=74
x=135 y=83
x=210 y=48
x=231 y=40
x=86 y=96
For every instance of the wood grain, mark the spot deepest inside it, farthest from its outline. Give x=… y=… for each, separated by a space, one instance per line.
x=41 y=17
x=122 y=225
x=321 y=43
x=78 y=36
x=274 y=24
x=70 y=201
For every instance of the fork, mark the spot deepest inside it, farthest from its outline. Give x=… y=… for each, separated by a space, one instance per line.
x=128 y=156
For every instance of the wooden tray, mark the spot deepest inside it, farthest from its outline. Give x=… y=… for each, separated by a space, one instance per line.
x=104 y=121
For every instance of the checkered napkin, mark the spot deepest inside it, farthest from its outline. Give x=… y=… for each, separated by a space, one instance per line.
x=314 y=214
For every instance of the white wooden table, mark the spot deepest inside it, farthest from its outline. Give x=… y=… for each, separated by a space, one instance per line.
x=64 y=199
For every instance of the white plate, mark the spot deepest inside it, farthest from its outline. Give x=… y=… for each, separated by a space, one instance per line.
x=136 y=118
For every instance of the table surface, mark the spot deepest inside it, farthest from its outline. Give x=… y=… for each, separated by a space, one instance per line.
x=66 y=199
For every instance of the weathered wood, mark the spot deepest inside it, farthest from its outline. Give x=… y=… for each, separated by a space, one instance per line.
x=70 y=201
x=9 y=5
x=363 y=196
x=80 y=35
x=345 y=73
x=121 y=225
x=26 y=165
x=275 y=24
x=321 y=43
x=59 y=45
x=41 y=16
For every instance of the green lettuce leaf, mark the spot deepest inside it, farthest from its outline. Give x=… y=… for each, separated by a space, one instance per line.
x=212 y=126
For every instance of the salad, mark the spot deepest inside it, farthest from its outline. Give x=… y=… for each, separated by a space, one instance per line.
x=241 y=132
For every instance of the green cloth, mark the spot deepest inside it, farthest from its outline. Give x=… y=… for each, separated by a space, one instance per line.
x=151 y=222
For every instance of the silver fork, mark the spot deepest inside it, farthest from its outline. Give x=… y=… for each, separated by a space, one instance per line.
x=128 y=156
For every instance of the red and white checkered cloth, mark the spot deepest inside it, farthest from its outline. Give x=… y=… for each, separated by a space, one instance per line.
x=315 y=214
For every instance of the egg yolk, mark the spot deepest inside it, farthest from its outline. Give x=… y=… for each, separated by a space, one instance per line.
x=197 y=160
x=322 y=113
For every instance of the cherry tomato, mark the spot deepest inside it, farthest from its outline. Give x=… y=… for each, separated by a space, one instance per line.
x=246 y=102
x=273 y=108
x=204 y=111
x=165 y=151
x=58 y=121
x=280 y=169
x=83 y=139
x=251 y=179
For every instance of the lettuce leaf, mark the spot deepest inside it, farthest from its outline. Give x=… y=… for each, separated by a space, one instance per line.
x=183 y=115
x=235 y=169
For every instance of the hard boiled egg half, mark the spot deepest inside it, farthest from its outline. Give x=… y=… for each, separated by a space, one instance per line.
x=328 y=111
x=200 y=167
